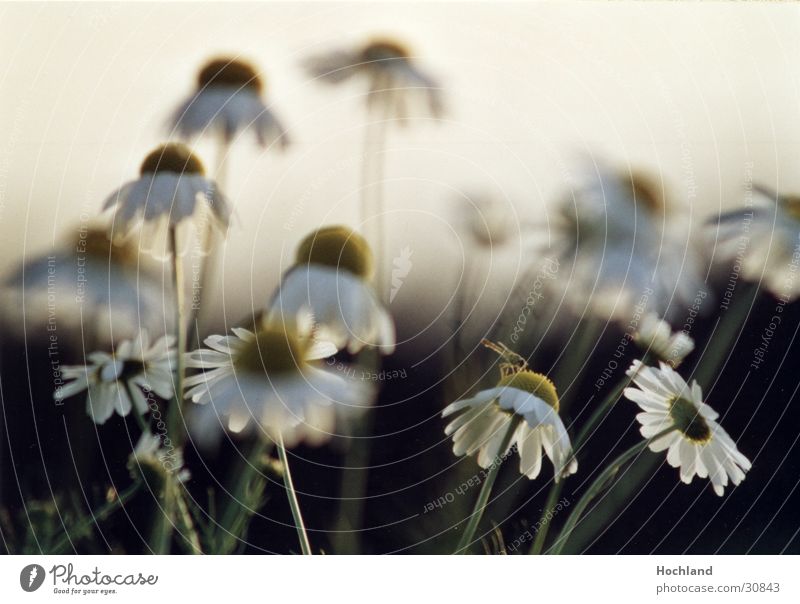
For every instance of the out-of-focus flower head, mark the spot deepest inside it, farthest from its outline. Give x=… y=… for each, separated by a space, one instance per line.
x=331 y=277
x=268 y=378
x=394 y=79
x=764 y=239
x=620 y=252
x=172 y=191
x=229 y=99
x=89 y=286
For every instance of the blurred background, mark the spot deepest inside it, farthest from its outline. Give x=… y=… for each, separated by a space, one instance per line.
x=702 y=97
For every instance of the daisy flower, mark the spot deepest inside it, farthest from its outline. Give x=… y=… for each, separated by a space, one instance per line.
x=656 y=336
x=268 y=376
x=623 y=256
x=394 y=80
x=118 y=381
x=332 y=278
x=172 y=190
x=526 y=397
x=764 y=240
x=157 y=456
x=699 y=445
x=229 y=99
x=85 y=286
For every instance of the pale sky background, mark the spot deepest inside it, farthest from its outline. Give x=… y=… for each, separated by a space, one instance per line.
x=697 y=93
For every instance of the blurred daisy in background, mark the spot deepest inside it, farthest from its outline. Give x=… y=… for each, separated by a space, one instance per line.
x=764 y=240
x=614 y=237
x=268 y=376
x=655 y=336
x=526 y=397
x=151 y=457
x=699 y=445
x=119 y=380
x=86 y=286
x=332 y=278
x=395 y=81
x=171 y=192
x=229 y=99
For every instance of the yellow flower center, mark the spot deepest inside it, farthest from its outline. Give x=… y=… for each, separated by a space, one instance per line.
x=172 y=157
x=689 y=421
x=535 y=383
x=384 y=50
x=646 y=193
x=229 y=72
x=274 y=351
x=792 y=205
x=95 y=243
x=337 y=247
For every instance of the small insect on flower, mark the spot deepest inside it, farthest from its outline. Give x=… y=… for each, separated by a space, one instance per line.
x=521 y=395
x=394 y=80
x=699 y=445
x=269 y=376
x=655 y=336
x=764 y=239
x=117 y=381
x=332 y=277
x=228 y=100
x=172 y=191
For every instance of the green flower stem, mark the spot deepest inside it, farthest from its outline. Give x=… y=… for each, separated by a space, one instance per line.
x=541 y=533
x=97 y=516
x=486 y=491
x=245 y=494
x=555 y=490
x=572 y=363
x=305 y=546
x=174 y=416
x=598 y=485
x=724 y=337
x=208 y=266
x=161 y=535
x=372 y=206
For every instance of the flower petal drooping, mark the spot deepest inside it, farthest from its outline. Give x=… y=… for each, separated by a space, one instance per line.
x=229 y=100
x=699 y=445
x=332 y=279
x=86 y=287
x=395 y=82
x=172 y=191
x=485 y=418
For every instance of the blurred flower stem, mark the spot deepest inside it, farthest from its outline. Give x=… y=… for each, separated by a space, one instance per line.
x=305 y=546
x=209 y=263
x=600 y=483
x=98 y=515
x=245 y=495
x=162 y=530
x=570 y=367
x=372 y=208
x=486 y=490
x=725 y=336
